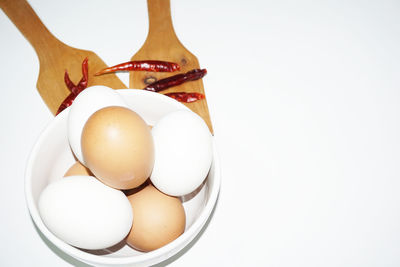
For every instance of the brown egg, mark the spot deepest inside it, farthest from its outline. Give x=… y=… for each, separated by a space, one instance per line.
x=158 y=219
x=117 y=146
x=78 y=169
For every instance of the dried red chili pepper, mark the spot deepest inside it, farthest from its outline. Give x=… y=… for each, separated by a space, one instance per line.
x=70 y=85
x=83 y=83
x=67 y=102
x=186 y=97
x=175 y=80
x=143 y=65
x=75 y=89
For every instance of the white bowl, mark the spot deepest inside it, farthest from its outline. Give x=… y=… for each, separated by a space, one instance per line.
x=52 y=156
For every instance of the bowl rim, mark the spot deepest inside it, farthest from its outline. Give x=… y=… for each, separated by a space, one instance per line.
x=169 y=249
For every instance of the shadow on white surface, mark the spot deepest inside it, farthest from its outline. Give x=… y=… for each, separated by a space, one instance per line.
x=77 y=263
x=58 y=252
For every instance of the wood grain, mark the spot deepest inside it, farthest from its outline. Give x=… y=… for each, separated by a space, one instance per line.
x=54 y=56
x=163 y=44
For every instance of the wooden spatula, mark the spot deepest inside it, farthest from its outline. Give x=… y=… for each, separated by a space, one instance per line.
x=163 y=44
x=54 y=56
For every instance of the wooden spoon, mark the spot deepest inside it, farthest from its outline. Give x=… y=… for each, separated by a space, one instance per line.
x=163 y=44
x=54 y=56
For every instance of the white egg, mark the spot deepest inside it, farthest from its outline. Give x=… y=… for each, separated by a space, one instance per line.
x=83 y=212
x=183 y=152
x=85 y=104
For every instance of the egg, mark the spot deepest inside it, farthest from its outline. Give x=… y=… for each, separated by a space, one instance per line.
x=117 y=146
x=183 y=152
x=85 y=213
x=159 y=219
x=78 y=169
x=85 y=104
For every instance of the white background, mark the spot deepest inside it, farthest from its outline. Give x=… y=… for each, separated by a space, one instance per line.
x=305 y=102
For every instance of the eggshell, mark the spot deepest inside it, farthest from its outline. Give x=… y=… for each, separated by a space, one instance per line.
x=183 y=152
x=78 y=169
x=85 y=213
x=118 y=148
x=85 y=104
x=159 y=219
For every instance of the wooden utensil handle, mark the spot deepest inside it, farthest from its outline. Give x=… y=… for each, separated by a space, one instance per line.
x=29 y=24
x=160 y=21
